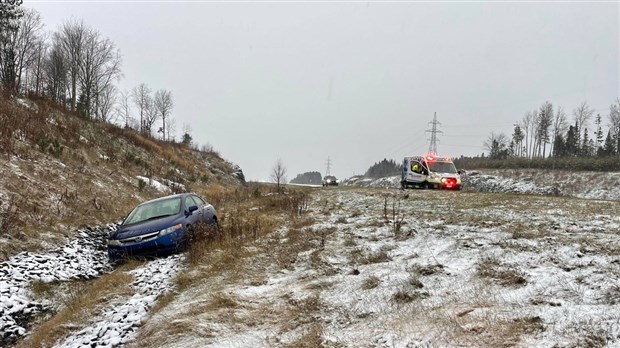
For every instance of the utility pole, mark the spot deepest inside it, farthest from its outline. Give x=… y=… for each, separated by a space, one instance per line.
x=329 y=166
x=432 y=149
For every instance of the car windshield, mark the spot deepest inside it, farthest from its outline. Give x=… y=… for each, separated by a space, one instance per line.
x=442 y=167
x=154 y=210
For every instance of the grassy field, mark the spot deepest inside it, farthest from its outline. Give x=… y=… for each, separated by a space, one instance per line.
x=364 y=267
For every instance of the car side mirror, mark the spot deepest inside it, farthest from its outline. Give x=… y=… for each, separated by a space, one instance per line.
x=460 y=172
x=192 y=209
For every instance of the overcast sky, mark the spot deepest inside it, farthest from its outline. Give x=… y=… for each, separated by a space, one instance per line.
x=358 y=82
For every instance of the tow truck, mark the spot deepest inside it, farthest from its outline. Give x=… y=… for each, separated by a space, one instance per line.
x=431 y=172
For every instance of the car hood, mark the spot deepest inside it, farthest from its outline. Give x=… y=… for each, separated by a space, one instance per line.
x=140 y=228
x=448 y=175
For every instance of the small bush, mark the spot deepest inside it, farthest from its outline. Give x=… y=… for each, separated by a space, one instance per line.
x=8 y=217
x=51 y=146
x=371 y=283
x=425 y=270
x=492 y=269
x=403 y=296
x=141 y=184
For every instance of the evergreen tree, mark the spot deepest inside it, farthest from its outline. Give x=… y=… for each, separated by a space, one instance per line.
x=609 y=149
x=572 y=141
x=599 y=134
x=559 y=146
x=517 y=141
x=585 y=144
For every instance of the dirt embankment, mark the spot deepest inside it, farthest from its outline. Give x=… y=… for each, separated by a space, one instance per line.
x=59 y=171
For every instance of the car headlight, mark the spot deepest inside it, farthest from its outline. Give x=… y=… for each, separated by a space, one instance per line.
x=114 y=242
x=169 y=230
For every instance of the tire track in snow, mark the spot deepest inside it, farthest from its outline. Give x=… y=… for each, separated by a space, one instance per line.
x=119 y=323
x=82 y=258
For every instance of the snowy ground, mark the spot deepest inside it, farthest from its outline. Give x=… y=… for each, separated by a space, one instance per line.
x=388 y=268
x=82 y=258
x=591 y=185
x=120 y=321
x=365 y=267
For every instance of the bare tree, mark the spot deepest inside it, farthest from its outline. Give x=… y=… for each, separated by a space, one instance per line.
x=98 y=67
x=545 y=119
x=106 y=99
x=10 y=13
x=582 y=114
x=497 y=145
x=141 y=96
x=123 y=107
x=21 y=48
x=163 y=105
x=525 y=125
x=150 y=116
x=559 y=125
x=37 y=67
x=71 y=39
x=614 y=123
x=278 y=174
x=55 y=70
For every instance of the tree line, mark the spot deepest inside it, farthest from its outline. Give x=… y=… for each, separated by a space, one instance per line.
x=77 y=67
x=384 y=168
x=308 y=178
x=549 y=132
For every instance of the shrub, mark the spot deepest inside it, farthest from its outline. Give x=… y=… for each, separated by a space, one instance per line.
x=141 y=184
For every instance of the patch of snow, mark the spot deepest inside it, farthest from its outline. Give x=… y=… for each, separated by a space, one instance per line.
x=82 y=258
x=119 y=324
x=155 y=184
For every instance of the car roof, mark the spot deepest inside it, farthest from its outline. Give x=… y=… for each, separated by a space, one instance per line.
x=178 y=195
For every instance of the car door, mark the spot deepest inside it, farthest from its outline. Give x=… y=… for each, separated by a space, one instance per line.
x=195 y=216
x=416 y=173
x=207 y=215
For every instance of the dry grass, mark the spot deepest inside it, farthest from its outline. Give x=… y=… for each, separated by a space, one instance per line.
x=425 y=270
x=80 y=300
x=404 y=296
x=491 y=268
x=312 y=338
x=371 y=283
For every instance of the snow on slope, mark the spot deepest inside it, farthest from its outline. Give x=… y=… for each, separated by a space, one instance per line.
x=82 y=258
x=120 y=321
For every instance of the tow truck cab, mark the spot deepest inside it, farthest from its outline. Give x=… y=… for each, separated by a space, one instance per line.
x=430 y=172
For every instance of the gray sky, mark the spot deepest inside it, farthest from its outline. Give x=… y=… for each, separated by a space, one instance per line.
x=357 y=81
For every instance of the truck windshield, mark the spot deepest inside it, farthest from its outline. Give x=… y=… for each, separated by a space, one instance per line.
x=442 y=167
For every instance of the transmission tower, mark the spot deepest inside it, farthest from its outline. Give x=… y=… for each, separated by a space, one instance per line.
x=432 y=148
x=329 y=166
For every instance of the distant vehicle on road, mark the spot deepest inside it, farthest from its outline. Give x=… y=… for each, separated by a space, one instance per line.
x=330 y=180
x=430 y=172
x=159 y=226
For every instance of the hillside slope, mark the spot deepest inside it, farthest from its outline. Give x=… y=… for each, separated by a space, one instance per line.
x=59 y=171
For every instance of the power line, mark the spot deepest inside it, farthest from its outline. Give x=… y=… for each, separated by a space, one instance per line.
x=432 y=149
x=329 y=166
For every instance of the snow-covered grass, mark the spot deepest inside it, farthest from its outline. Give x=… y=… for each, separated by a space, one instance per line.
x=590 y=185
x=461 y=268
x=82 y=258
x=383 y=267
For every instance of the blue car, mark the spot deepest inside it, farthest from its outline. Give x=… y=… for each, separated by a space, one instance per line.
x=160 y=226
